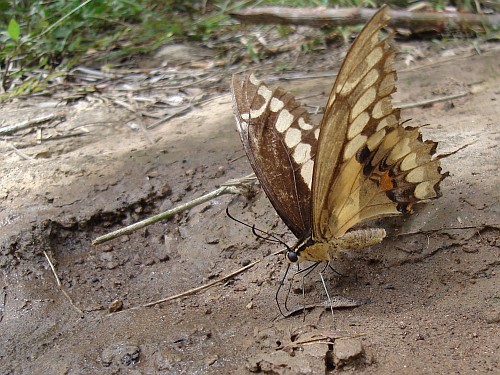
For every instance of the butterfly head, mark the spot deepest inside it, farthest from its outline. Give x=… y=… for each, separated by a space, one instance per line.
x=292 y=256
x=301 y=251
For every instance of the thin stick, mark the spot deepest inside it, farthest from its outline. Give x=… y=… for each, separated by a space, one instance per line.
x=482 y=226
x=200 y=288
x=330 y=339
x=431 y=101
x=231 y=187
x=19 y=152
x=170 y=116
x=58 y=281
x=3 y=301
x=28 y=123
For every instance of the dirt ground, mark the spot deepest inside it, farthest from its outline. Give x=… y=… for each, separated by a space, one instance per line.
x=429 y=295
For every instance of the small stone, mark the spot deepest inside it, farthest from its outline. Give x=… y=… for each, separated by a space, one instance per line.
x=347 y=351
x=106 y=248
x=166 y=190
x=153 y=174
x=249 y=306
x=116 y=305
x=245 y=262
x=149 y=262
x=220 y=172
x=111 y=265
x=401 y=325
x=419 y=337
x=212 y=240
x=176 y=198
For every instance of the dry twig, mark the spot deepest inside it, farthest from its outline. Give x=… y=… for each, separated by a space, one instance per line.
x=416 y=22
x=58 y=281
x=236 y=186
x=29 y=123
x=200 y=288
x=19 y=152
x=432 y=101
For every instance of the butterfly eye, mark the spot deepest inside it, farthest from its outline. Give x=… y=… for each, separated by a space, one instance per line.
x=292 y=257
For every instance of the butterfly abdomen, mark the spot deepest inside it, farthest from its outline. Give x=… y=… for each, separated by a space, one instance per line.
x=325 y=251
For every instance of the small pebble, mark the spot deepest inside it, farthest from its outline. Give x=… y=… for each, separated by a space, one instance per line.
x=116 y=305
x=106 y=248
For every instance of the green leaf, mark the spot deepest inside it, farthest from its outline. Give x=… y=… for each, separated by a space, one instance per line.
x=13 y=29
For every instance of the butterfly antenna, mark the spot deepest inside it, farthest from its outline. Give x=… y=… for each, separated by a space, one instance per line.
x=282 y=281
x=268 y=236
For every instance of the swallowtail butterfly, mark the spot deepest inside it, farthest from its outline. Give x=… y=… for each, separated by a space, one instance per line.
x=359 y=164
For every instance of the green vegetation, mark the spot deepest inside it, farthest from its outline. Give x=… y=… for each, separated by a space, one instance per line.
x=41 y=34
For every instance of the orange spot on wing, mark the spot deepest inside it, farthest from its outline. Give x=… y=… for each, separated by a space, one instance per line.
x=386 y=182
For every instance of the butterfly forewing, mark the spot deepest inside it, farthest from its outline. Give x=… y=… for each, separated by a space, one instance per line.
x=367 y=164
x=280 y=142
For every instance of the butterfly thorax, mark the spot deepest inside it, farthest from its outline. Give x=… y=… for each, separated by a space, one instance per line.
x=324 y=251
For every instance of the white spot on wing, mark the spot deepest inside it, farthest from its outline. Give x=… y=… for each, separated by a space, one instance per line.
x=374 y=56
x=387 y=84
x=401 y=149
x=307 y=172
x=245 y=116
x=253 y=80
x=416 y=175
x=316 y=133
x=304 y=125
x=363 y=102
x=354 y=145
x=293 y=137
x=276 y=105
x=361 y=70
x=382 y=108
x=284 y=121
x=302 y=153
x=387 y=121
x=409 y=162
x=266 y=94
x=425 y=190
x=358 y=125
x=375 y=139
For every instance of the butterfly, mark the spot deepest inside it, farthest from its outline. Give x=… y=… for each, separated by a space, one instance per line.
x=360 y=163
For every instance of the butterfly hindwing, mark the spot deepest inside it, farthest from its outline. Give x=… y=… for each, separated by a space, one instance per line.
x=280 y=142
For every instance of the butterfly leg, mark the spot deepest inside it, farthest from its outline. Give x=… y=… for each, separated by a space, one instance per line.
x=330 y=302
x=306 y=271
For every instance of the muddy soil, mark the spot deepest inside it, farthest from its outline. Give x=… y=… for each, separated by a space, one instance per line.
x=428 y=296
